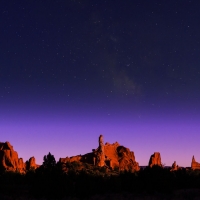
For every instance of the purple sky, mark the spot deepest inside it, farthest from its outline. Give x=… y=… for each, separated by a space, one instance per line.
x=72 y=70
x=174 y=132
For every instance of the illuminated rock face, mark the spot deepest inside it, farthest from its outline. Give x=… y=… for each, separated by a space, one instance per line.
x=155 y=159
x=100 y=154
x=127 y=159
x=21 y=165
x=113 y=155
x=71 y=159
x=194 y=164
x=9 y=158
x=31 y=164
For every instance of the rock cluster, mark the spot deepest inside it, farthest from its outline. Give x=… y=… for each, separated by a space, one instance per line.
x=155 y=159
x=116 y=156
x=113 y=156
x=194 y=164
x=9 y=160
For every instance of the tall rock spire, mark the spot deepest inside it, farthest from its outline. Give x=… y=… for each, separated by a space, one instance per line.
x=100 y=152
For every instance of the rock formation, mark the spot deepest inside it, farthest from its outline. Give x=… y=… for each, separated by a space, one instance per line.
x=155 y=159
x=21 y=165
x=71 y=159
x=194 y=164
x=8 y=157
x=9 y=160
x=99 y=158
x=31 y=164
x=113 y=156
x=127 y=160
x=174 y=167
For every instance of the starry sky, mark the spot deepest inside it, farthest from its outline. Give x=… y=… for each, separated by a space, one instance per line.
x=129 y=70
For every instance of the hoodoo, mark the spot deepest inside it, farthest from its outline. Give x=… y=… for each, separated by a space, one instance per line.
x=194 y=164
x=99 y=154
x=155 y=159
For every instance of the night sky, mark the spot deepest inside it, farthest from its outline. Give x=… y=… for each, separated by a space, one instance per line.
x=130 y=70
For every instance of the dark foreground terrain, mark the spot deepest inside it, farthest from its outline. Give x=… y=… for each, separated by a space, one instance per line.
x=78 y=180
x=187 y=194
x=51 y=182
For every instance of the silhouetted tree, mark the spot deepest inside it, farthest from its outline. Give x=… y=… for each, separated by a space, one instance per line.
x=49 y=161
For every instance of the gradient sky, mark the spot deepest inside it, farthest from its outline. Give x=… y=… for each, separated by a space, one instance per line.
x=72 y=70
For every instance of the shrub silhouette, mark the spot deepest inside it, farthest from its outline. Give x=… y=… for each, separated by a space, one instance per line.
x=49 y=161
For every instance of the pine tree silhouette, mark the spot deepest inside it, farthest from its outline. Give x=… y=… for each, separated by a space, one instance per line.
x=49 y=161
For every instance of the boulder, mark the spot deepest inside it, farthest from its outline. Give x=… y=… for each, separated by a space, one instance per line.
x=155 y=159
